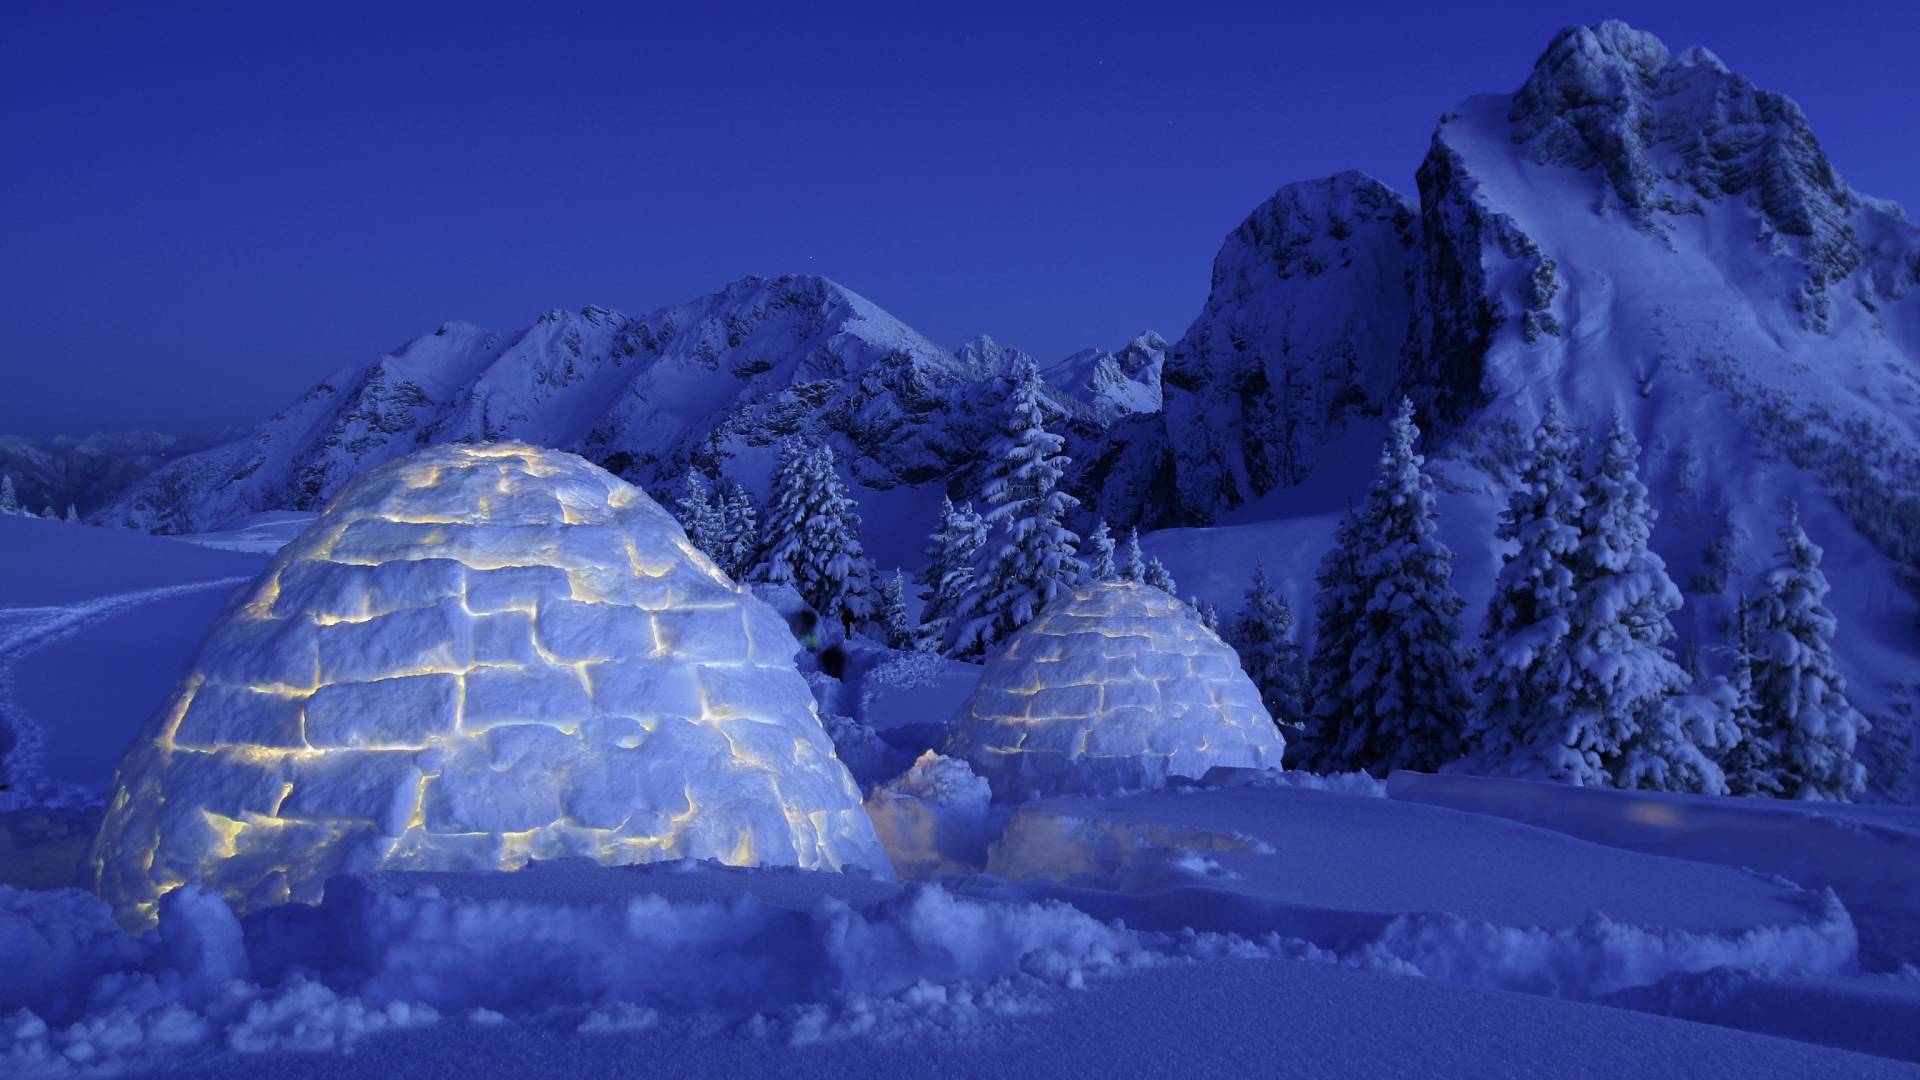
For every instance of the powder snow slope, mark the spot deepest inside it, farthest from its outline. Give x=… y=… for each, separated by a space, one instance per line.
x=77 y=602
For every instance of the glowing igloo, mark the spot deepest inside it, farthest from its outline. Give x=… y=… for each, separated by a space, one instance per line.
x=1114 y=687
x=479 y=655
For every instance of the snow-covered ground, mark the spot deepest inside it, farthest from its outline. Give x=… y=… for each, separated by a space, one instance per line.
x=96 y=626
x=1436 y=926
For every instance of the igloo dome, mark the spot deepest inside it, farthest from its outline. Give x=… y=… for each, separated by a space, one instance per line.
x=477 y=655
x=1114 y=687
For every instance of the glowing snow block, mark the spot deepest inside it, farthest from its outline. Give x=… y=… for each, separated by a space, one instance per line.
x=476 y=656
x=1115 y=687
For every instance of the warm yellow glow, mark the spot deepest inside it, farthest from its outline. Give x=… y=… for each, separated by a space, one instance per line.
x=228 y=829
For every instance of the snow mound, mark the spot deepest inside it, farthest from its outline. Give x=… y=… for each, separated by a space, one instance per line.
x=934 y=818
x=1115 y=687
x=478 y=655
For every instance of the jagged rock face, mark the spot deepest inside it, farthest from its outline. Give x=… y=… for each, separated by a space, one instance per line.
x=478 y=655
x=1670 y=133
x=725 y=376
x=1302 y=329
x=1111 y=384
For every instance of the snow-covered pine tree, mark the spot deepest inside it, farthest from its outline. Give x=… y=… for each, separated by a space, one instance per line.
x=1623 y=675
x=1208 y=615
x=700 y=517
x=49 y=512
x=1337 y=609
x=948 y=573
x=1800 y=695
x=1158 y=576
x=813 y=535
x=1135 y=567
x=1263 y=637
x=901 y=633
x=9 y=500
x=1752 y=766
x=73 y=516
x=1100 y=553
x=1391 y=692
x=1036 y=560
x=739 y=529
x=1528 y=726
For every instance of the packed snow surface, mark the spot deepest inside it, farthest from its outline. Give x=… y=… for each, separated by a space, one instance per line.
x=479 y=655
x=1113 y=687
x=1214 y=904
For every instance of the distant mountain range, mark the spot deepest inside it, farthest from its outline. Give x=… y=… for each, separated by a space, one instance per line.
x=89 y=472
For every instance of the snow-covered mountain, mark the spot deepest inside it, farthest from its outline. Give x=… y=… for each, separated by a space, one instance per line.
x=1631 y=230
x=715 y=382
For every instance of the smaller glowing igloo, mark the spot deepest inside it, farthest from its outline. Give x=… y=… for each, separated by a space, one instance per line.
x=1114 y=687
x=479 y=655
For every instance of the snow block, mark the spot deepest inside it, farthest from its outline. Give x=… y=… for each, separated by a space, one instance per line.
x=222 y=715
x=1114 y=687
x=479 y=655
x=406 y=711
x=380 y=787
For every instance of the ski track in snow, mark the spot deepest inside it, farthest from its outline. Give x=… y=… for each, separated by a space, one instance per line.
x=23 y=630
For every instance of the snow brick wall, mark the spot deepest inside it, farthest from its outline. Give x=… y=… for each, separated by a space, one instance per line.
x=1114 y=687
x=478 y=655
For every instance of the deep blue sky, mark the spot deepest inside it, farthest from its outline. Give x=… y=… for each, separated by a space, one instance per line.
x=205 y=209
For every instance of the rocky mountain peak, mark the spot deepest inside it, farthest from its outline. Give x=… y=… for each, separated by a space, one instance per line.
x=1672 y=134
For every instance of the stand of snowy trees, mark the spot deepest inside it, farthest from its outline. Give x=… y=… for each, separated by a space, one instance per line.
x=10 y=504
x=1573 y=677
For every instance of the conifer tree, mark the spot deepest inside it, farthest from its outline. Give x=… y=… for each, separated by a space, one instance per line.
x=1262 y=635
x=948 y=573
x=1100 y=553
x=73 y=516
x=1529 y=726
x=1135 y=567
x=1035 y=560
x=1208 y=615
x=1752 y=766
x=700 y=517
x=1389 y=687
x=898 y=624
x=1800 y=695
x=1159 y=577
x=813 y=535
x=9 y=500
x=739 y=529
x=1624 y=676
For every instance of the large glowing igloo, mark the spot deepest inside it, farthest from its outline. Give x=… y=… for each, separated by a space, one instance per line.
x=479 y=655
x=1114 y=687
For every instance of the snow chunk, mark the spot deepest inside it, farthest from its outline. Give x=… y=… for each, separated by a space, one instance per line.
x=933 y=818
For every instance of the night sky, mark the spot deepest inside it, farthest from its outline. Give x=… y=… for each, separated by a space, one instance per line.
x=205 y=209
